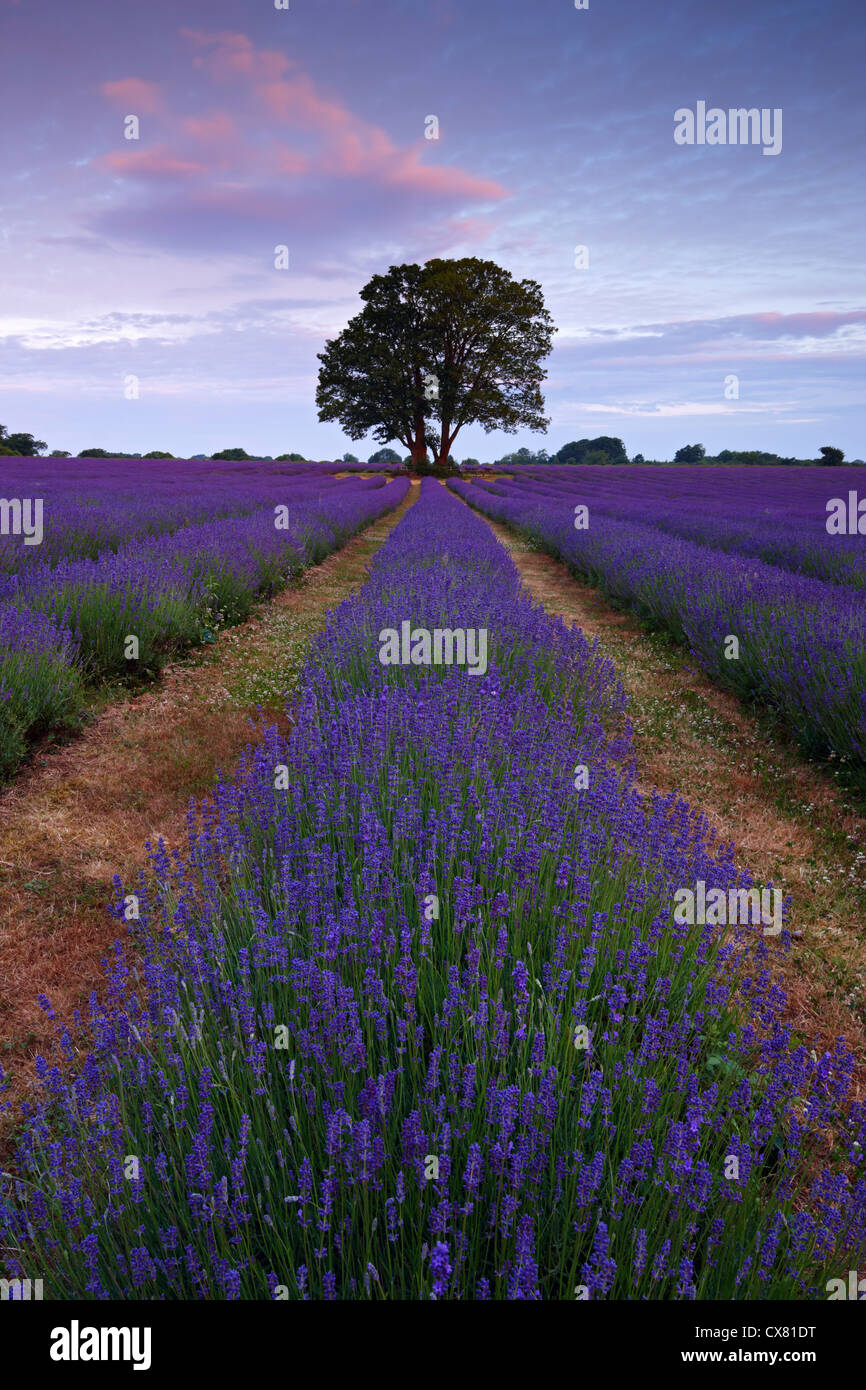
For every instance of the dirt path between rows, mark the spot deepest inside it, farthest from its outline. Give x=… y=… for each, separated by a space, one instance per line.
x=790 y=822
x=81 y=813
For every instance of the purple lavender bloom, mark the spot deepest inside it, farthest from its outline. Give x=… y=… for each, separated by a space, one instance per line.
x=440 y=1268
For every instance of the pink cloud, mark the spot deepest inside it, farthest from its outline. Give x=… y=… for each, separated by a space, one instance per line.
x=134 y=94
x=352 y=147
x=250 y=167
x=288 y=161
x=156 y=163
x=471 y=228
x=355 y=152
x=231 y=54
x=297 y=100
x=218 y=126
x=408 y=172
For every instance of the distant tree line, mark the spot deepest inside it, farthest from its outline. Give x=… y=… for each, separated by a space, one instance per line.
x=25 y=446
x=696 y=453
x=603 y=450
x=607 y=450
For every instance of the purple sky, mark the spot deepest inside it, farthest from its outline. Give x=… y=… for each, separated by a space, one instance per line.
x=305 y=127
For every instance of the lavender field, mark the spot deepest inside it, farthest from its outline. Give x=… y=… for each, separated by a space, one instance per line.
x=774 y=558
x=165 y=561
x=415 y=1018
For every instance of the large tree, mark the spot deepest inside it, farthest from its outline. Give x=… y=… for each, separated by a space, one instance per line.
x=455 y=342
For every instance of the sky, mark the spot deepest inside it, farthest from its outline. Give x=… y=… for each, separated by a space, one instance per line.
x=720 y=297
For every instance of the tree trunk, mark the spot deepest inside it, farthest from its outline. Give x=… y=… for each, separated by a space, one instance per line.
x=418 y=450
x=445 y=443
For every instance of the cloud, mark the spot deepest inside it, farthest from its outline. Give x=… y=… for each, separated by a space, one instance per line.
x=285 y=160
x=763 y=336
x=134 y=95
x=677 y=409
x=229 y=181
x=348 y=145
x=157 y=163
x=218 y=126
x=228 y=178
x=226 y=54
x=818 y=324
x=48 y=335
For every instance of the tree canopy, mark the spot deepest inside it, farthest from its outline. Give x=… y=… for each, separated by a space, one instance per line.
x=20 y=443
x=579 y=450
x=437 y=347
x=830 y=455
x=690 y=453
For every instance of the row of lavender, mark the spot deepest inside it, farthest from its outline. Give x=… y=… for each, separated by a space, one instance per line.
x=801 y=520
x=88 y=506
x=768 y=632
x=416 y=1017
x=65 y=622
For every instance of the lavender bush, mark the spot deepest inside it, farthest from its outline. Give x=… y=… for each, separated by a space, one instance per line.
x=40 y=681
